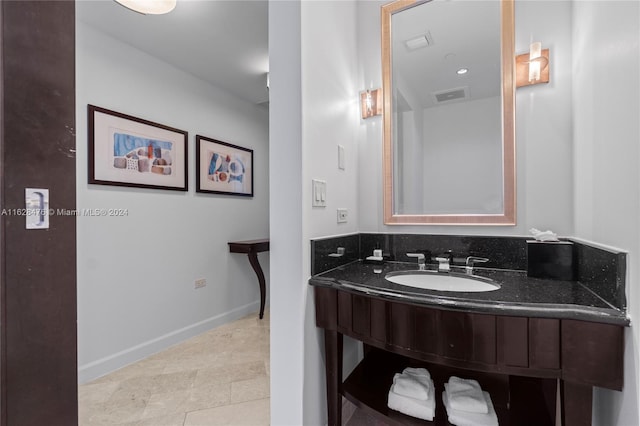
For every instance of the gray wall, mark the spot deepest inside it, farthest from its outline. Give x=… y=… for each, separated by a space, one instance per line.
x=136 y=273
x=606 y=107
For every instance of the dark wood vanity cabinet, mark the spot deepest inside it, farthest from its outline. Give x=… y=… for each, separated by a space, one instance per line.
x=519 y=359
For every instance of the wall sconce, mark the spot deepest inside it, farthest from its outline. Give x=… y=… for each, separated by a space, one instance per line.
x=371 y=103
x=533 y=67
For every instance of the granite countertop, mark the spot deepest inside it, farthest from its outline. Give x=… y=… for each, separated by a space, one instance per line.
x=518 y=295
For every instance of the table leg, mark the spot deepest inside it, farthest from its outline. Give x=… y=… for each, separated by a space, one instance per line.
x=333 y=372
x=253 y=259
x=576 y=404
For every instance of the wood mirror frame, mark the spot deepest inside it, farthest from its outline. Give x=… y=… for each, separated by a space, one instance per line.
x=508 y=215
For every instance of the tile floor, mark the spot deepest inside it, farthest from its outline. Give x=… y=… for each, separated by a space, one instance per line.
x=217 y=378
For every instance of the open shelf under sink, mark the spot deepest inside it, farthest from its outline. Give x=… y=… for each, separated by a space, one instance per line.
x=514 y=398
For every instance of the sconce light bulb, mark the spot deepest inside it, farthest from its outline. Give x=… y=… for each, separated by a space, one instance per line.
x=534 y=70
x=535 y=52
x=369 y=102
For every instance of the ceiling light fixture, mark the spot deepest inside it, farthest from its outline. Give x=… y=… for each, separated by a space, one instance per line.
x=149 y=7
x=462 y=71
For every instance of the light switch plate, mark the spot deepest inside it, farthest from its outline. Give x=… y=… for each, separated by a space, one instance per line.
x=319 y=193
x=341 y=157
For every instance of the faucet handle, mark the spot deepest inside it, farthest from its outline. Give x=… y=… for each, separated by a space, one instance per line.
x=444 y=262
x=420 y=258
x=471 y=260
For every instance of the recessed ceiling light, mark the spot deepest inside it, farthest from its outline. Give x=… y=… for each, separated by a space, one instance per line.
x=462 y=71
x=149 y=7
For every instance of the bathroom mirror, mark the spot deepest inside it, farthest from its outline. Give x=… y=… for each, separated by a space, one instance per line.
x=448 y=83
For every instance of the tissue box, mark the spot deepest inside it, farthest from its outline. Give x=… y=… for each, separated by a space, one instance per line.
x=550 y=260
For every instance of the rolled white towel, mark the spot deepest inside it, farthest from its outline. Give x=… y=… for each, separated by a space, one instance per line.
x=422 y=409
x=465 y=418
x=466 y=395
x=420 y=372
x=407 y=385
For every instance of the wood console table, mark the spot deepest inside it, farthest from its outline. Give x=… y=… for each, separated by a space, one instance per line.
x=252 y=248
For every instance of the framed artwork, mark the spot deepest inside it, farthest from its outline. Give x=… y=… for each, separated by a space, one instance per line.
x=130 y=151
x=222 y=168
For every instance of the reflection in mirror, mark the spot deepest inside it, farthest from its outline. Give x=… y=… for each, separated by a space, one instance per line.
x=448 y=112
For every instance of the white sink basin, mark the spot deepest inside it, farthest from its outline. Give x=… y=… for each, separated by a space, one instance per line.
x=440 y=281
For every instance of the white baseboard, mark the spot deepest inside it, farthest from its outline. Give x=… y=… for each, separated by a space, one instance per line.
x=108 y=364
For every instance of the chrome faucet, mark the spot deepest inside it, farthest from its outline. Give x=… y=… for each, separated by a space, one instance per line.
x=471 y=260
x=420 y=257
x=444 y=262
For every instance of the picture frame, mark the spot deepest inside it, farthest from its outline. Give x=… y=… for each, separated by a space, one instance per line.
x=134 y=152
x=223 y=168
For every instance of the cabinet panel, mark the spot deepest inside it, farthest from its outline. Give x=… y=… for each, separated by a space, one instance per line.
x=344 y=310
x=456 y=337
x=468 y=336
x=544 y=343
x=361 y=315
x=426 y=330
x=326 y=307
x=592 y=353
x=483 y=338
x=401 y=325
x=379 y=320
x=513 y=341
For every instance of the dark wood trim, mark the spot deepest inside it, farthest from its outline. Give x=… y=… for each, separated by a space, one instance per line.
x=333 y=352
x=544 y=343
x=3 y=280
x=528 y=351
x=513 y=341
x=576 y=404
x=587 y=347
x=38 y=267
x=326 y=301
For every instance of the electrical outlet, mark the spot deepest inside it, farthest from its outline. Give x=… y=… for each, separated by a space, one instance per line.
x=202 y=282
x=342 y=215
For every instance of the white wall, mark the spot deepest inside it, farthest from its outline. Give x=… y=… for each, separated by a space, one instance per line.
x=545 y=164
x=289 y=255
x=543 y=128
x=606 y=107
x=136 y=273
x=330 y=117
x=313 y=108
